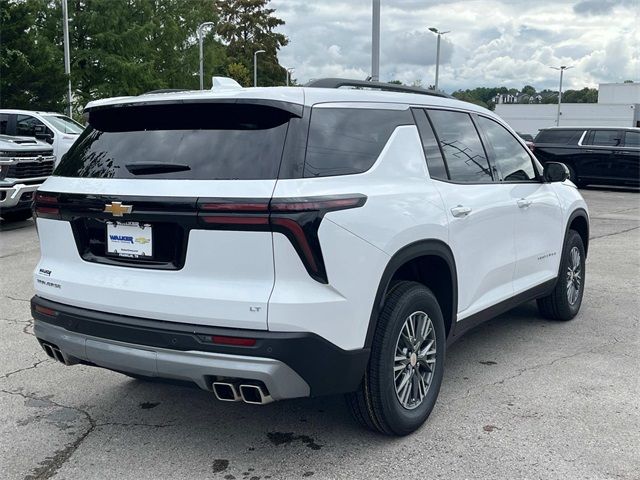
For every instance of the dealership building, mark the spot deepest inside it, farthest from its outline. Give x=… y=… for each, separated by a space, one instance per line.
x=618 y=106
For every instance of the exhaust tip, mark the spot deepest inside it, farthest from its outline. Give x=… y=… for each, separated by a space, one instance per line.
x=255 y=394
x=226 y=392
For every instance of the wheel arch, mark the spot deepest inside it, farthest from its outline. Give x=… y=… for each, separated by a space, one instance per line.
x=424 y=261
x=579 y=222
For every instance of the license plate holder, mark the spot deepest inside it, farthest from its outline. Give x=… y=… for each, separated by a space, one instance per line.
x=129 y=239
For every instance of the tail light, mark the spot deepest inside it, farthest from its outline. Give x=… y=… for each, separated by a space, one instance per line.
x=297 y=218
x=46 y=205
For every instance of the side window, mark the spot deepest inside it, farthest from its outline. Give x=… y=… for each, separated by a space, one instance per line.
x=27 y=126
x=509 y=156
x=345 y=141
x=4 y=123
x=560 y=136
x=463 y=152
x=435 y=162
x=631 y=139
x=603 y=138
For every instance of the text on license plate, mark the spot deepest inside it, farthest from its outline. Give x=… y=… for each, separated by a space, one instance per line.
x=130 y=239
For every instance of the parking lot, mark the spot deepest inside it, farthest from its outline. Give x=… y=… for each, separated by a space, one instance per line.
x=522 y=397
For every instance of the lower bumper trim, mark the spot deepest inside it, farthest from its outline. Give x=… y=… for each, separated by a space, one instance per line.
x=200 y=368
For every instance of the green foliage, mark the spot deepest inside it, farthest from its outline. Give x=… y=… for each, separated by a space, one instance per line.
x=239 y=73
x=127 y=47
x=31 y=65
x=247 y=26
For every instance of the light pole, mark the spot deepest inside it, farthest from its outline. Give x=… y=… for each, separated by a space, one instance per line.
x=375 y=41
x=255 y=67
x=562 y=68
x=200 y=27
x=439 y=33
x=289 y=70
x=67 y=60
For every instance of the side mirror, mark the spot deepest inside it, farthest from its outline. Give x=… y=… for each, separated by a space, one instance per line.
x=555 y=172
x=47 y=137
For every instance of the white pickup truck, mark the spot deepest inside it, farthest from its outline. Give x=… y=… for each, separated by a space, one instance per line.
x=24 y=164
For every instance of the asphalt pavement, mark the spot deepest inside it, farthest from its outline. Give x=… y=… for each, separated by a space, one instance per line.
x=522 y=397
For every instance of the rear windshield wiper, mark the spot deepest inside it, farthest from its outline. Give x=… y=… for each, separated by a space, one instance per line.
x=148 y=168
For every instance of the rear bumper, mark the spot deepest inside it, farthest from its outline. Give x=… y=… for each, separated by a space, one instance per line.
x=17 y=197
x=295 y=364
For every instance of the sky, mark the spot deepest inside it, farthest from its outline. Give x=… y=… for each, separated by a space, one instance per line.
x=491 y=43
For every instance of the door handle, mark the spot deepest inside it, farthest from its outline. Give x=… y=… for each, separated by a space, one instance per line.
x=524 y=203
x=460 y=211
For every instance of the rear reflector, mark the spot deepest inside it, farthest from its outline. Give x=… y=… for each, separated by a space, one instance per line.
x=46 y=311
x=236 y=341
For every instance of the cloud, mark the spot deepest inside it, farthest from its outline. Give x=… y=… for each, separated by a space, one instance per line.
x=492 y=42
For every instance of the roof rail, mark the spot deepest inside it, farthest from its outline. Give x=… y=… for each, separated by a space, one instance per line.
x=389 y=87
x=167 y=90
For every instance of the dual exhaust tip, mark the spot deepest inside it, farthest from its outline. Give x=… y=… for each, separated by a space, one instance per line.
x=54 y=352
x=249 y=393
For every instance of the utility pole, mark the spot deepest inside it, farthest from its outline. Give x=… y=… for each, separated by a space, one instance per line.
x=562 y=68
x=255 y=67
x=439 y=33
x=67 y=60
x=200 y=39
x=289 y=70
x=375 y=41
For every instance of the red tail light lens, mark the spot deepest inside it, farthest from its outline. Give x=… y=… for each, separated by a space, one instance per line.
x=234 y=341
x=46 y=311
x=297 y=218
x=46 y=205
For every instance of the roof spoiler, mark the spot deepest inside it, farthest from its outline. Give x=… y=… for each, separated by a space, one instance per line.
x=389 y=87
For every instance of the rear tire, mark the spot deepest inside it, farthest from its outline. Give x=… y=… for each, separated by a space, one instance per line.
x=566 y=298
x=16 y=216
x=402 y=379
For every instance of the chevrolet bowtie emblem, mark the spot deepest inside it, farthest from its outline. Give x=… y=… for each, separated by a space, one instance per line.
x=117 y=209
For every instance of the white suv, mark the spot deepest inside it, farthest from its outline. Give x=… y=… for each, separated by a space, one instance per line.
x=272 y=243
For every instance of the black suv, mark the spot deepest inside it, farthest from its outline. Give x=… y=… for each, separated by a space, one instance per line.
x=602 y=155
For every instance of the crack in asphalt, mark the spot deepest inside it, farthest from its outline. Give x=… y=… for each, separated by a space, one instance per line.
x=521 y=371
x=16 y=299
x=50 y=465
x=24 y=369
x=615 y=233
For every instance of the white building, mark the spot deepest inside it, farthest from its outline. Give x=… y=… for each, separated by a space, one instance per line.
x=618 y=106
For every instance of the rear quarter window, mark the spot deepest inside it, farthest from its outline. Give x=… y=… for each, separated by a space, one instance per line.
x=180 y=141
x=344 y=141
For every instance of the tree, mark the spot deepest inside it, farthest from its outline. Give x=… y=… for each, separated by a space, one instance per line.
x=247 y=26
x=31 y=67
x=528 y=90
x=240 y=74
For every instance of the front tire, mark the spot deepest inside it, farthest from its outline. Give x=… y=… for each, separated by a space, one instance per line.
x=565 y=300
x=403 y=377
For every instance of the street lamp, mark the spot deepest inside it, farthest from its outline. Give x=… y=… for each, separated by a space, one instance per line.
x=439 y=33
x=255 y=67
x=289 y=70
x=200 y=27
x=562 y=68
x=67 y=61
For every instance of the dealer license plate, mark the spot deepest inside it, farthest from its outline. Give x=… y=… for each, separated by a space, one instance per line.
x=129 y=239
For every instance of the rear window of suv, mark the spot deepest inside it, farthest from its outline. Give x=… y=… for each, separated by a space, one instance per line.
x=344 y=141
x=180 y=141
x=567 y=137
